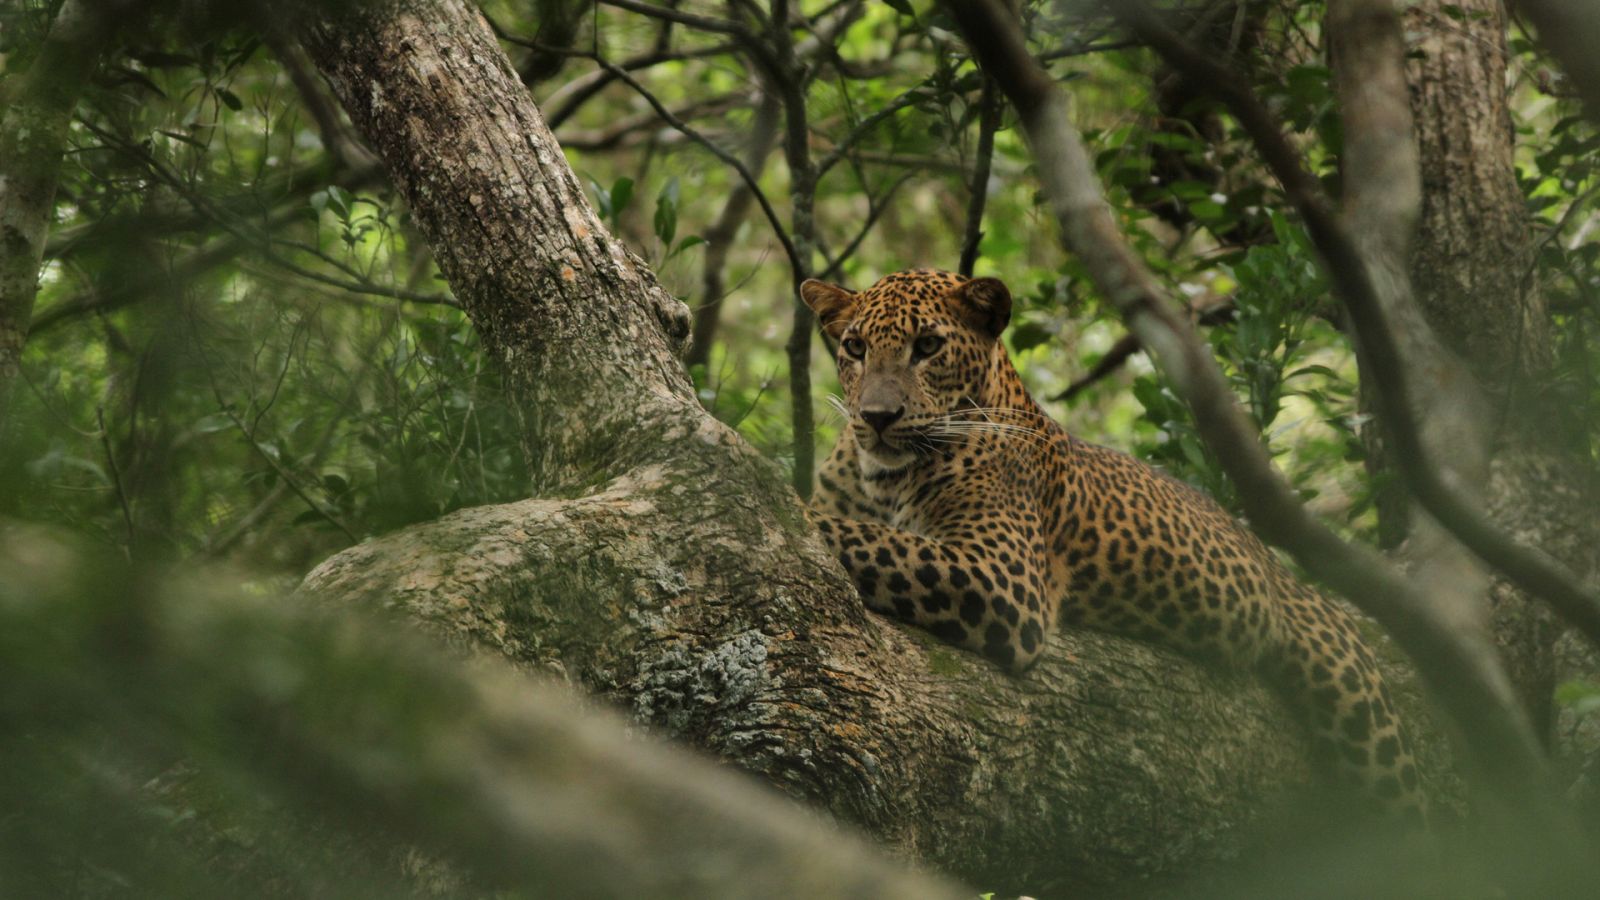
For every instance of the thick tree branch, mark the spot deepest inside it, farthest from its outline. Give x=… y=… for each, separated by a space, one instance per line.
x=727 y=642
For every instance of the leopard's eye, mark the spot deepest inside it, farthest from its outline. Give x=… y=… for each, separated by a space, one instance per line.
x=926 y=346
x=856 y=347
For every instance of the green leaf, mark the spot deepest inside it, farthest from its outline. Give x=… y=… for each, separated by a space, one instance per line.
x=690 y=241
x=621 y=193
x=666 y=219
x=903 y=7
x=1027 y=335
x=229 y=99
x=213 y=423
x=602 y=198
x=339 y=201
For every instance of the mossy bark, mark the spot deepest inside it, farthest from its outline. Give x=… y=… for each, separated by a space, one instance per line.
x=665 y=565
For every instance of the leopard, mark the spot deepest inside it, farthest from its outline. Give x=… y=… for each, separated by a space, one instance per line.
x=956 y=503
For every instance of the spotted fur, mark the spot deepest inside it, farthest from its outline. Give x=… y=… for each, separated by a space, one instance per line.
x=957 y=504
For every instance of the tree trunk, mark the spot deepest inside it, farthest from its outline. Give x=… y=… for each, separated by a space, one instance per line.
x=1471 y=267
x=665 y=565
x=33 y=134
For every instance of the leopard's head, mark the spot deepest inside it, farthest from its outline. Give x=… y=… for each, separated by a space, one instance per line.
x=914 y=349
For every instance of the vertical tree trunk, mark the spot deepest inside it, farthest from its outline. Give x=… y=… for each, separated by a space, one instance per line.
x=33 y=134
x=1471 y=268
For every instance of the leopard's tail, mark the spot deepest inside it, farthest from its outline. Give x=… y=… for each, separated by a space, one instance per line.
x=1330 y=670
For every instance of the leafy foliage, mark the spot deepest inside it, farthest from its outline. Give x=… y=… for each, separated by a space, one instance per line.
x=242 y=349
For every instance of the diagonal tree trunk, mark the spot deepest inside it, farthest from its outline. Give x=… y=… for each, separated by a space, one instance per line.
x=666 y=566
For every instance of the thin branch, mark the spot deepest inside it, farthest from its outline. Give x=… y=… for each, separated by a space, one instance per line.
x=700 y=23
x=1129 y=344
x=571 y=96
x=344 y=147
x=278 y=469
x=787 y=78
x=719 y=237
x=358 y=285
x=1084 y=49
x=978 y=190
x=732 y=161
x=1531 y=570
x=614 y=134
x=116 y=481
x=863 y=127
x=875 y=210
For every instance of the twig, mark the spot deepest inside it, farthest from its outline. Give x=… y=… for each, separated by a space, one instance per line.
x=621 y=129
x=832 y=157
x=699 y=23
x=571 y=96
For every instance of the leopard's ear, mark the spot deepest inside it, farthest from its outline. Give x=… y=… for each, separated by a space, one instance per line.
x=834 y=305
x=985 y=304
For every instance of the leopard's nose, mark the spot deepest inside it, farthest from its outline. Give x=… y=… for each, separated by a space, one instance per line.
x=881 y=419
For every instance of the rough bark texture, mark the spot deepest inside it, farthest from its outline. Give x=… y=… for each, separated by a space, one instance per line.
x=666 y=565
x=579 y=323
x=1110 y=760
x=1470 y=266
x=33 y=134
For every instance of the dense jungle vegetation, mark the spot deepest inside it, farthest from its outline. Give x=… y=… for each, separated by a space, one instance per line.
x=234 y=343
